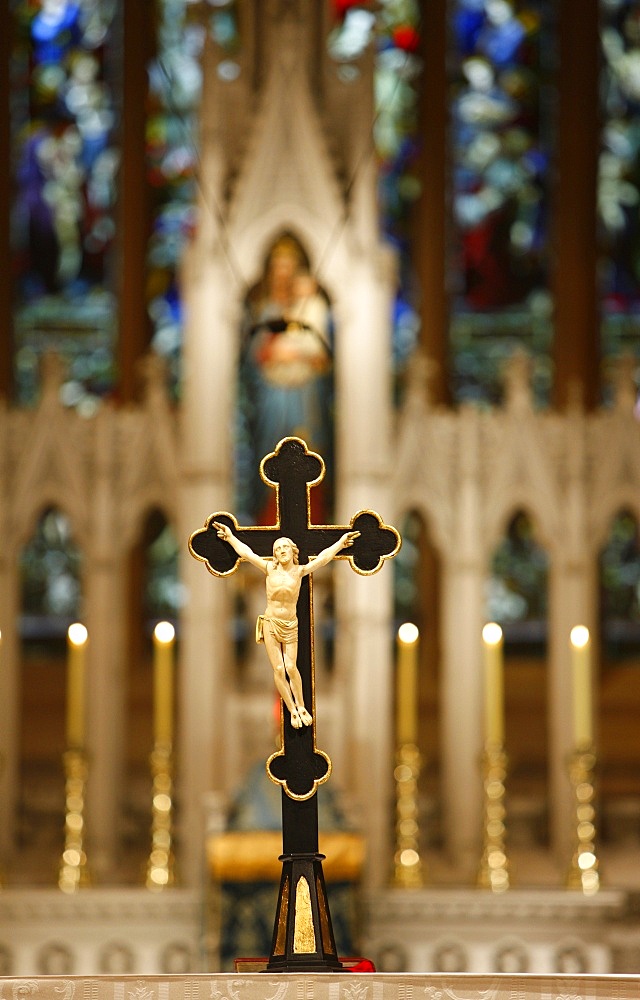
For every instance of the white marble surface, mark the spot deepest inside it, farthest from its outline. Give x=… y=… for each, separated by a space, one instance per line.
x=524 y=930
x=44 y=932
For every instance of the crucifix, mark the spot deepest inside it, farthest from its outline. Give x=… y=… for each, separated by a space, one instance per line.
x=288 y=553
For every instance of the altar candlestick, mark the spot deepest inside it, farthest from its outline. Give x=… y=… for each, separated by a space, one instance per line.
x=163 y=644
x=493 y=684
x=407 y=684
x=582 y=694
x=76 y=648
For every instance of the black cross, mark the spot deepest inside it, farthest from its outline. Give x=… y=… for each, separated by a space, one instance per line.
x=299 y=767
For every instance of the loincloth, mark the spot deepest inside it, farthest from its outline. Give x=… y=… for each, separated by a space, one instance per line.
x=283 y=630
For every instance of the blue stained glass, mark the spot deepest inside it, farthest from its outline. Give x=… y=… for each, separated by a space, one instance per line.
x=467 y=24
x=500 y=154
x=66 y=163
x=175 y=84
x=500 y=42
x=55 y=28
x=619 y=177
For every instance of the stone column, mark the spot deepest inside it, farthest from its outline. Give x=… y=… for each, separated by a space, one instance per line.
x=206 y=446
x=366 y=644
x=105 y=616
x=461 y=713
x=573 y=600
x=106 y=655
x=363 y=381
x=363 y=375
x=461 y=685
x=9 y=701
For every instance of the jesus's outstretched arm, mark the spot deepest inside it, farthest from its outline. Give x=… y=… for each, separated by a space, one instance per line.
x=242 y=549
x=330 y=552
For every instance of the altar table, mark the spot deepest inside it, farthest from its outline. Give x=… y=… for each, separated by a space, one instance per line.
x=324 y=986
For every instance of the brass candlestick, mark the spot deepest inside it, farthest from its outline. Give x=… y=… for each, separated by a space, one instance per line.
x=160 y=866
x=494 y=866
x=2 y=882
x=583 y=871
x=73 y=873
x=408 y=869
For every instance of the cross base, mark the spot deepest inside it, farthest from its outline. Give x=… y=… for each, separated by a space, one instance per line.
x=303 y=938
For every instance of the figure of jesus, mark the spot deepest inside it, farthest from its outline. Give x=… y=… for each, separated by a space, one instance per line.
x=278 y=626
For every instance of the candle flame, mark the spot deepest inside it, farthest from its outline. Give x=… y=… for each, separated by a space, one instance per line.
x=77 y=634
x=164 y=632
x=579 y=636
x=492 y=634
x=408 y=633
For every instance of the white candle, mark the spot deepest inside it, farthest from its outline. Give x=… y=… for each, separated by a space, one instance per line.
x=493 y=684
x=163 y=646
x=77 y=636
x=582 y=686
x=407 y=684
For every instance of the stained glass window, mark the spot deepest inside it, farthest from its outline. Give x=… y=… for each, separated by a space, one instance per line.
x=163 y=596
x=619 y=177
x=175 y=83
x=394 y=30
x=175 y=88
x=516 y=594
x=63 y=119
x=65 y=93
x=50 y=573
x=501 y=124
x=406 y=572
x=620 y=588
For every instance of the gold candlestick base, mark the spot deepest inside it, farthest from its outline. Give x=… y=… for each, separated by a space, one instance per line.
x=583 y=871
x=160 y=866
x=494 y=866
x=408 y=868
x=73 y=873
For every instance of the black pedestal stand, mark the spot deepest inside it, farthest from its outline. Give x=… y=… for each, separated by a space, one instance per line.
x=303 y=938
